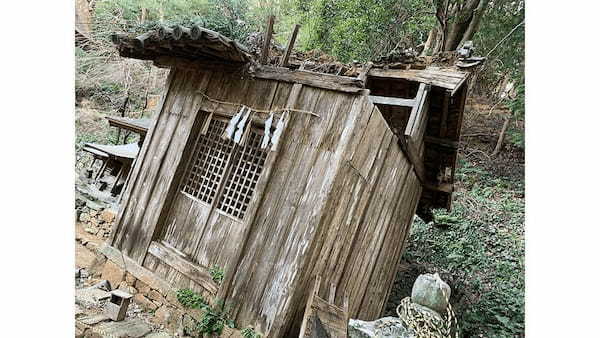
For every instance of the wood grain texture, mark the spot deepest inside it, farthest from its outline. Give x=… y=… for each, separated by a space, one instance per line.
x=179 y=261
x=451 y=80
x=314 y=79
x=335 y=199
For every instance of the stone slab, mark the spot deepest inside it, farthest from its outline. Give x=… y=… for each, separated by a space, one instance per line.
x=130 y=328
x=159 y=335
x=92 y=319
x=90 y=296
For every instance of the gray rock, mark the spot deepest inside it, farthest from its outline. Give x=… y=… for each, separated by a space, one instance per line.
x=380 y=328
x=159 y=335
x=128 y=328
x=431 y=291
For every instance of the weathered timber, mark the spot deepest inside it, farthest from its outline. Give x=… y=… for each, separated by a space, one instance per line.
x=264 y=53
x=445 y=107
x=451 y=80
x=365 y=71
x=179 y=262
x=289 y=47
x=392 y=101
x=322 y=318
x=313 y=79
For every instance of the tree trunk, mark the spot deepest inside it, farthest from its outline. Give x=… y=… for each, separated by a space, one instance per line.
x=462 y=20
x=474 y=25
x=143 y=15
x=501 y=136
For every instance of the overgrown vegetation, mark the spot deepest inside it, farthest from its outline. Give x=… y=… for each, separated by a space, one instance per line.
x=190 y=299
x=480 y=252
x=216 y=273
x=250 y=333
x=213 y=319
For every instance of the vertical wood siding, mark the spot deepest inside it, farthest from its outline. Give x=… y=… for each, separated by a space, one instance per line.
x=337 y=202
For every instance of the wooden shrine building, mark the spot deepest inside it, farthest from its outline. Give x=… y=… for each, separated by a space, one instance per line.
x=282 y=176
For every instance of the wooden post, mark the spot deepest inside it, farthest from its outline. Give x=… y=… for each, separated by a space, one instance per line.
x=264 y=54
x=289 y=47
x=443 y=122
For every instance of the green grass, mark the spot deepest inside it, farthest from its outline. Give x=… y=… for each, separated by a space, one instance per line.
x=480 y=253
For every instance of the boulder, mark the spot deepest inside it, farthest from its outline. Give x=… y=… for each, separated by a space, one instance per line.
x=167 y=316
x=107 y=215
x=156 y=297
x=113 y=273
x=144 y=302
x=142 y=287
x=380 y=328
x=130 y=279
x=431 y=291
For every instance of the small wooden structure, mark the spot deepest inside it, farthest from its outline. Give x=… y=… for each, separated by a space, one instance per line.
x=332 y=195
x=118 y=158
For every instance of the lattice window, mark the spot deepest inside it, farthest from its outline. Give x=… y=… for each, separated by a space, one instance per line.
x=210 y=158
x=241 y=181
x=214 y=157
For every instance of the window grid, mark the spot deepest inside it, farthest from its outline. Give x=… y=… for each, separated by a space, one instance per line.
x=212 y=156
x=241 y=181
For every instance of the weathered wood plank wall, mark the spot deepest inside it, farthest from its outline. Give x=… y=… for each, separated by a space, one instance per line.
x=338 y=202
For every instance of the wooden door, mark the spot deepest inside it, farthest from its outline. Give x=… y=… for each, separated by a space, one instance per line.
x=205 y=221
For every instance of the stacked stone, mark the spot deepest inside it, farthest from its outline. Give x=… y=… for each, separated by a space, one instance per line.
x=166 y=308
x=96 y=219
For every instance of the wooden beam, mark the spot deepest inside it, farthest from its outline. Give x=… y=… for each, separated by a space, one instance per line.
x=313 y=79
x=264 y=54
x=392 y=101
x=182 y=63
x=416 y=108
x=441 y=142
x=289 y=47
x=445 y=107
x=138 y=271
x=410 y=152
x=178 y=261
x=451 y=80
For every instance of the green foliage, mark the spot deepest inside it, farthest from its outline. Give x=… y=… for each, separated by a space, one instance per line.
x=441 y=216
x=250 y=333
x=361 y=29
x=481 y=254
x=214 y=320
x=216 y=273
x=517 y=107
x=191 y=299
